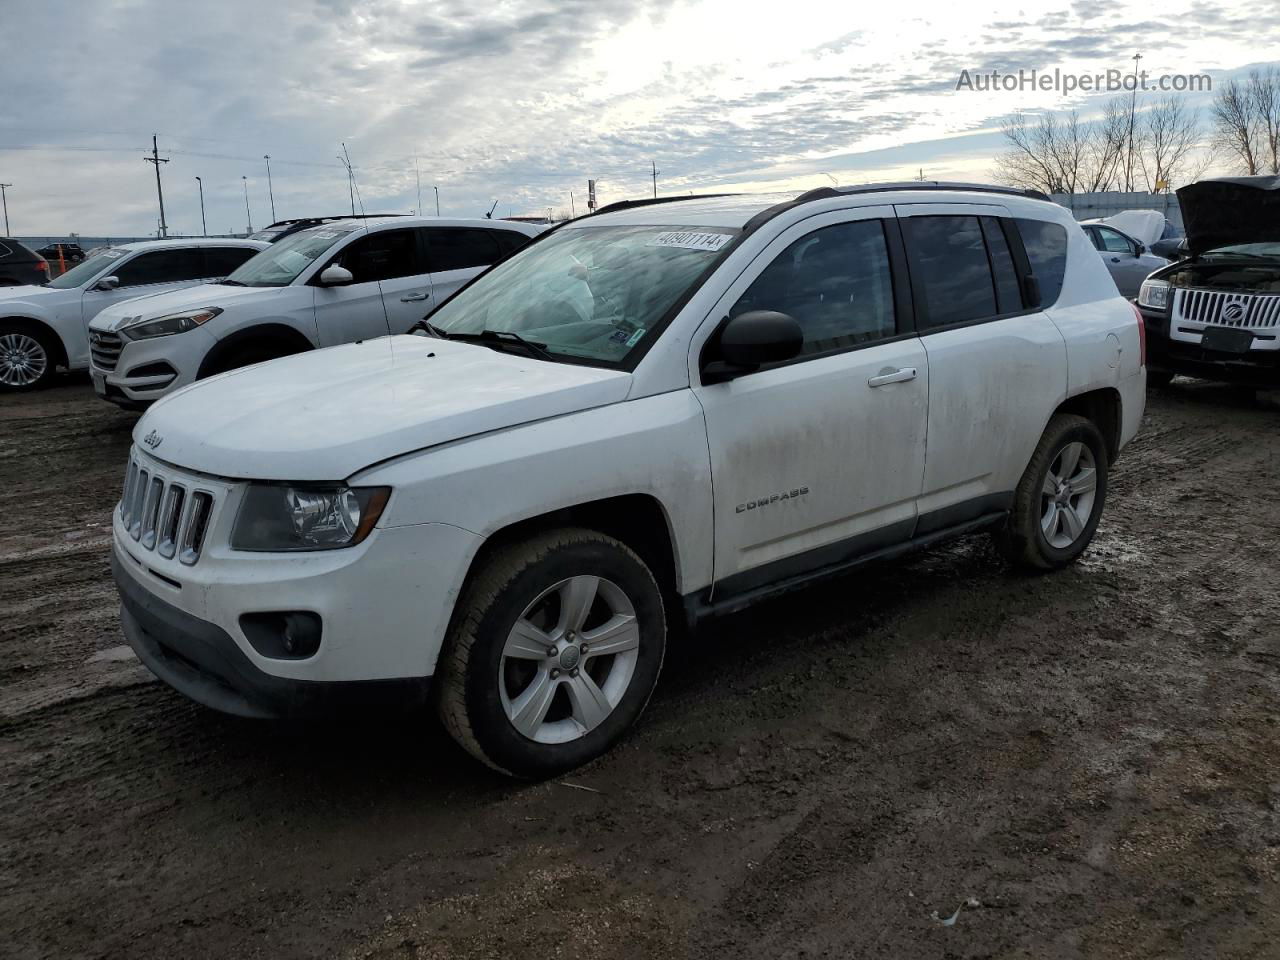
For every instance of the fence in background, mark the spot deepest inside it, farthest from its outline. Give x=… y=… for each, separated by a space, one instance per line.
x=1086 y=206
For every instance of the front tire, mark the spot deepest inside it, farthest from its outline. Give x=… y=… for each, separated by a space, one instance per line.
x=553 y=653
x=26 y=357
x=1059 y=500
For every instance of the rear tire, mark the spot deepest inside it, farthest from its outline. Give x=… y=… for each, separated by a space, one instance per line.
x=28 y=356
x=515 y=686
x=1059 y=500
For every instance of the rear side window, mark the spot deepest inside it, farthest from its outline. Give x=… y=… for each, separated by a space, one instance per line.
x=1008 y=290
x=459 y=248
x=509 y=241
x=382 y=256
x=1046 y=245
x=836 y=282
x=949 y=258
x=162 y=266
x=220 y=261
x=5 y=251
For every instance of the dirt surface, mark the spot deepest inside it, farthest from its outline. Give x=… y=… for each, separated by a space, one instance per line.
x=1091 y=756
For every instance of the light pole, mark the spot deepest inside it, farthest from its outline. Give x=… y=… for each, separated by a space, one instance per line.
x=437 y=190
x=203 y=226
x=270 y=192
x=4 y=199
x=1133 y=109
x=247 y=215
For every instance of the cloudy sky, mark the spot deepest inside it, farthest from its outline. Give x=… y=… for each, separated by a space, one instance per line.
x=522 y=101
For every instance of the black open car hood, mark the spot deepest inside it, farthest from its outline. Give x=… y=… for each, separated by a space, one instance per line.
x=1230 y=210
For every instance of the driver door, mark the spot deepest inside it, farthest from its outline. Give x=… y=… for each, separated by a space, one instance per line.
x=354 y=311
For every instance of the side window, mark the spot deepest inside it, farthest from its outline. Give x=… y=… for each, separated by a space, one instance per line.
x=5 y=251
x=509 y=241
x=162 y=266
x=1046 y=245
x=1008 y=290
x=836 y=282
x=382 y=256
x=220 y=261
x=1113 y=242
x=458 y=248
x=949 y=260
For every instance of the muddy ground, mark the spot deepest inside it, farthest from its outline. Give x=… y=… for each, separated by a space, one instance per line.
x=1091 y=756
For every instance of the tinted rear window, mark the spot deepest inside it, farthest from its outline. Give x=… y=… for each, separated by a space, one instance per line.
x=13 y=250
x=1046 y=245
x=954 y=271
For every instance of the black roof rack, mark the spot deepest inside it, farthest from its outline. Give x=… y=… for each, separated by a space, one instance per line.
x=822 y=193
x=650 y=201
x=339 y=216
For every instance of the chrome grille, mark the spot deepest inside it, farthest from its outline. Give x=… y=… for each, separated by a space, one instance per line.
x=166 y=515
x=1218 y=308
x=105 y=348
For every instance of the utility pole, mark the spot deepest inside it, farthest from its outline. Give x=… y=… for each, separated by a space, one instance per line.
x=156 y=159
x=572 y=212
x=417 y=178
x=247 y=215
x=655 y=178
x=1133 y=108
x=203 y=225
x=4 y=199
x=270 y=193
x=437 y=190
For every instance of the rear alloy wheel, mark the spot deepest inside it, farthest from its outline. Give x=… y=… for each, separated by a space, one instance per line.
x=554 y=653
x=1059 y=500
x=26 y=359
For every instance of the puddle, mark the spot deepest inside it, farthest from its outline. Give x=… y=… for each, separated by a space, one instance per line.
x=113 y=655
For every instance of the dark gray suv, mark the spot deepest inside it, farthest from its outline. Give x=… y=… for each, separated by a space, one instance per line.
x=19 y=265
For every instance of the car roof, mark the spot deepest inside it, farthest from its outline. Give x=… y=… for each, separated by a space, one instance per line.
x=374 y=223
x=739 y=210
x=190 y=242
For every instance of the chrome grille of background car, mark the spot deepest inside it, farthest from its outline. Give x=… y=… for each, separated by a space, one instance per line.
x=105 y=348
x=1221 y=309
x=164 y=515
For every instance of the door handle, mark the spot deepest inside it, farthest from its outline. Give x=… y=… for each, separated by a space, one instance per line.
x=901 y=375
x=1115 y=259
x=414 y=297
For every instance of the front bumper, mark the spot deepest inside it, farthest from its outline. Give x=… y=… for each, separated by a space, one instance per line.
x=146 y=370
x=1253 y=368
x=200 y=660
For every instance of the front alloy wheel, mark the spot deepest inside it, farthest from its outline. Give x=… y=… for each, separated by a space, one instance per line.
x=24 y=361
x=555 y=648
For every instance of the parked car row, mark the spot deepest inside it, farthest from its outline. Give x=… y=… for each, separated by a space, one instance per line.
x=649 y=416
x=117 y=312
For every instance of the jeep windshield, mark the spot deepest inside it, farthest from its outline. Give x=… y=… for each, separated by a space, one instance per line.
x=280 y=264
x=587 y=294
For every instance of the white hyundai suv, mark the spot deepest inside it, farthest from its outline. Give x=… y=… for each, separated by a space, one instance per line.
x=333 y=283
x=656 y=414
x=44 y=327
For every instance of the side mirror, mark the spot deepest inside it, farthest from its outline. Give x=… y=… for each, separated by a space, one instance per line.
x=107 y=283
x=335 y=276
x=1139 y=248
x=748 y=341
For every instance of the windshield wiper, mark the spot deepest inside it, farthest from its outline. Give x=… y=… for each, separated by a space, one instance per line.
x=505 y=337
x=230 y=283
x=431 y=328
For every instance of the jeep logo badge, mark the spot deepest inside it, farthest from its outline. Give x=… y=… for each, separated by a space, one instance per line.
x=153 y=439
x=1234 y=312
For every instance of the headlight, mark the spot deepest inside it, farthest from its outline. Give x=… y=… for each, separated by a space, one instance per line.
x=303 y=517
x=167 y=326
x=1154 y=294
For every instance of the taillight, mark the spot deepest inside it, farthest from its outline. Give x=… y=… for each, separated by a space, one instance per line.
x=1142 y=336
x=43 y=266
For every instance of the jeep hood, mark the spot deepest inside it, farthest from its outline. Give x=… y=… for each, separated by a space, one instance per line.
x=328 y=414
x=1230 y=210
x=171 y=301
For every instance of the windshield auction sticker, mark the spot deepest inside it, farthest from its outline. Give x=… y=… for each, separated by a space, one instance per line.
x=690 y=241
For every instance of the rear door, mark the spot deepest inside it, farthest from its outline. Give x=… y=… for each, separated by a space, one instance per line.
x=996 y=367
x=456 y=254
x=821 y=458
x=220 y=261
x=406 y=284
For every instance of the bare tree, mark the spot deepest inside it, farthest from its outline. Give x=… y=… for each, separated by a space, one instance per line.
x=1264 y=98
x=1167 y=135
x=1064 y=155
x=1236 y=130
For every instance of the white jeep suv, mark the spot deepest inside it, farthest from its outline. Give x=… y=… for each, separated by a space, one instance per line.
x=47 y=326
x=333 y=283
x=652 y=415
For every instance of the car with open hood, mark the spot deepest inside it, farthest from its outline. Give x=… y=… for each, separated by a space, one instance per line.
x=1216 y=313
x=660 y=413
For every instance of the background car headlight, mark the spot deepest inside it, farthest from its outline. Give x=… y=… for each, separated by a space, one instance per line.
x=1154 y=294
x=305 y=517
x=167 y=326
